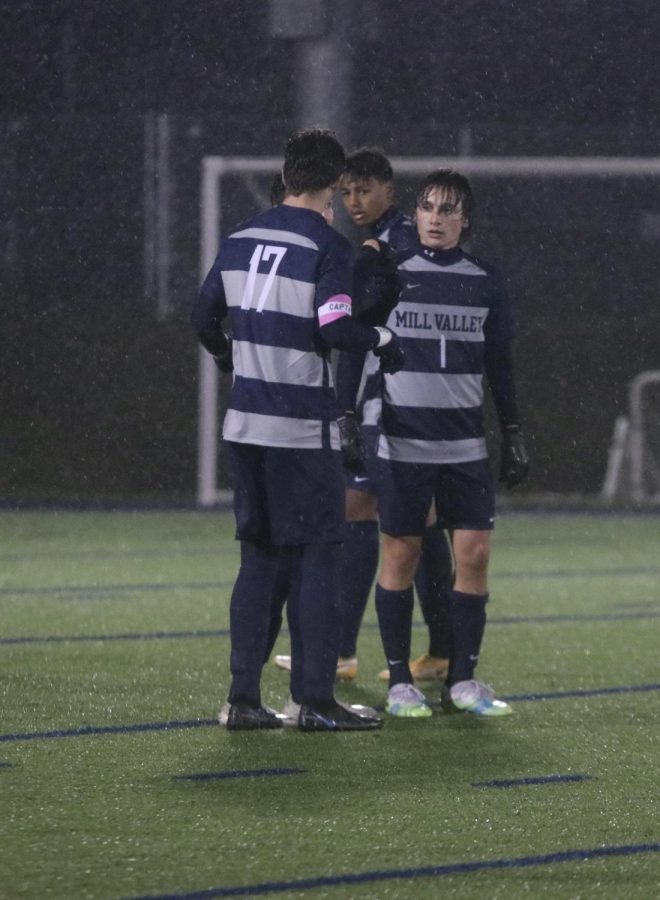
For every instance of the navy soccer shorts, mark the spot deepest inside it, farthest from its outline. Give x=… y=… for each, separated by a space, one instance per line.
x=463 y=492
x=284 y=496
x=368 y=481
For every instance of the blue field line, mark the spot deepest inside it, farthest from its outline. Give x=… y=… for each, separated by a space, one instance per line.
x=92 y=589
x=533 y=780
x=127 y=636
x=163 y=552
x=237 y=773
x=583 y=692
x=224 y=632
x=519 y=862
x=87 y=730
x=104 y=589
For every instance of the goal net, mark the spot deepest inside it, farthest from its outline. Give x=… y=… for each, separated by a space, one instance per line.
x=518 y=198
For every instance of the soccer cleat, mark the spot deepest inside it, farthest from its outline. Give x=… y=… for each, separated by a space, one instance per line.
x=291 y=711
x=407 y=701
x=336 y=717
x=347 y=667
x=424 y=668
x=245 y=717
x=474 y=697
x=282 y=662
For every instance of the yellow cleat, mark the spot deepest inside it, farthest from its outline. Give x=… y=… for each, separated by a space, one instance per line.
x=347 y=668
x=424 y=668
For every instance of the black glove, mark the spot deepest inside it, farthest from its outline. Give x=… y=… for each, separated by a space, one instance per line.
x=514 y=464
x=353 y=451
x=224 y=360
x=391 y=354
x=376 y=283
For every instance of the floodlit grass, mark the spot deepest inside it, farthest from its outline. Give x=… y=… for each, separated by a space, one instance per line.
x=575 y=604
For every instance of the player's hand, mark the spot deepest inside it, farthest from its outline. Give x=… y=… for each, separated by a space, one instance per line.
x=224 y=360
x=353 y=451
x=514 y=464
x=389 y=351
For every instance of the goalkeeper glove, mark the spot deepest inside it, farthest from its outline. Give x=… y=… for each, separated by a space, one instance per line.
x=353 y=452
x=389 y=351
x=224 y=360
x=514 y=463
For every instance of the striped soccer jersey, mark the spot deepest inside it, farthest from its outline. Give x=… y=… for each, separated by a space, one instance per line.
x=450 y=305
x=281 y=276
x=398 y=230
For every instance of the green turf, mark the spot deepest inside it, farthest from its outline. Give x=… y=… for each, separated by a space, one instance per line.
x=109 y=815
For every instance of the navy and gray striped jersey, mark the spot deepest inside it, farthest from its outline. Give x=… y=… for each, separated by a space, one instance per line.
x=280 y=277
x=450 y=305
x=398 y=230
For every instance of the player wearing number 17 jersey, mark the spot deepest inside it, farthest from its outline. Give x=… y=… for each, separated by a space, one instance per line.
x=284 y=282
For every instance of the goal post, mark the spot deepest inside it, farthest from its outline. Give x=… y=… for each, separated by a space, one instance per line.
x=215 y=169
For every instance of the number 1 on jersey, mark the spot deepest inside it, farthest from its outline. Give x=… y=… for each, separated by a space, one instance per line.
x=443 y=352
x=261 y=252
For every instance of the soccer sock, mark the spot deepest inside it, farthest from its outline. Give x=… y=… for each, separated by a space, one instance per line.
x=318 y=621
x=250 y=618
x=395 y=613
x=358 y=564
x=433 y=579
x=467 y=618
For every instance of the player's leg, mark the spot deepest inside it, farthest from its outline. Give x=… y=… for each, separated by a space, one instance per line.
x=469 y=507
x=358 y=566
x=254 y=590
x=307 y=503
x=433 y=579
x=405 y=492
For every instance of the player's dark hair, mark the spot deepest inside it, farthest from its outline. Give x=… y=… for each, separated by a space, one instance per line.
x=368 y=162
x=457 y=187
x=277 y=190
x=313 y=160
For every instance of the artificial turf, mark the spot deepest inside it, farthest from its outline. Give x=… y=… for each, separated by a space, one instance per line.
x=115 y=781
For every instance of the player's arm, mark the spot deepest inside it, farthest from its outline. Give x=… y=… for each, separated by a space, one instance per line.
x=499 y=365
x=338 y=329
x=376 y=283
x=208 y=313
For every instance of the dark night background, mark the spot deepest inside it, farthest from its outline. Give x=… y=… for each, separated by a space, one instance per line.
x=99 y=385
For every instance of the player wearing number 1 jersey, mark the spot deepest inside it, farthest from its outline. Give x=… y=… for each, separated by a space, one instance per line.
x=284 y=281
x=454 y=321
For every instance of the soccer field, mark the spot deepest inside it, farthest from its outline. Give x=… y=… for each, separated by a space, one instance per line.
x=117 y=782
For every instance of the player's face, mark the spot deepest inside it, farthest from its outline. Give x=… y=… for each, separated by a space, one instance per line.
x=366 y=199
x=440 y=220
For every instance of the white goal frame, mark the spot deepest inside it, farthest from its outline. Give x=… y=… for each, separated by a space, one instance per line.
x=215 y=168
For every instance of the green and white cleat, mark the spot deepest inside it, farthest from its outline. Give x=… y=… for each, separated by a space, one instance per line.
x=477 y=698
x=407 y=701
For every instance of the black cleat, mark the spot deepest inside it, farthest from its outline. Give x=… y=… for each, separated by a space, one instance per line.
x=335 y=718
x=243 y=717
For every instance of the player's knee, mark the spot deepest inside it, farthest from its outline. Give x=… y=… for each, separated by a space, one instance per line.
x=474 y=557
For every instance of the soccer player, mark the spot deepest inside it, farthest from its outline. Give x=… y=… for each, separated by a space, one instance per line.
x=367 y=189
x=454 y=321
x=283 y=279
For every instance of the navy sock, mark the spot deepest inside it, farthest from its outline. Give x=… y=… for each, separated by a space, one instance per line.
x=467 y=618
x=261 y=576
x=433 y=579
x=395 y=613
x=359 y=562
x=318 y=621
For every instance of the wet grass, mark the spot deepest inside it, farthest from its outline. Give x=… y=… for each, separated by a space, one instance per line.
x=115 y=782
